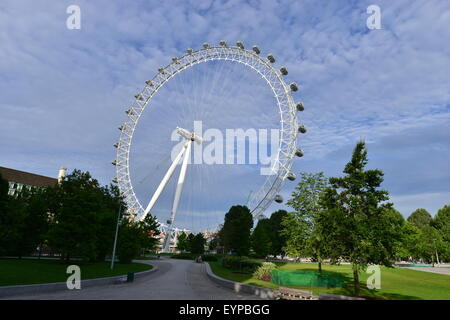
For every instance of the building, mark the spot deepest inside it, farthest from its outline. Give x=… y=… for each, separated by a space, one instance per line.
x=20 y=179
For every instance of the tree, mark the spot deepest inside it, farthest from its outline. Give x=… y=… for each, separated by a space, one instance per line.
x=430 y=244
x=129 y=243
x=358 y=222
x=261 y=238
x=182 y=241
x=197 y=244
x=441 y=222
x=149 y=229
x=301 y=227
x=236 y=230
x=277 y=238
x=420 y=218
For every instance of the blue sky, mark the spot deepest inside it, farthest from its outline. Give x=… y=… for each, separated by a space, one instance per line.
x=63 y=92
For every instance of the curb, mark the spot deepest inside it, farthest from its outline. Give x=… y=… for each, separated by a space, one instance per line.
x=6 y=291
x=239 y=287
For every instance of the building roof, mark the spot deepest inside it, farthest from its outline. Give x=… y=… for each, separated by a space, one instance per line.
x=27 y=178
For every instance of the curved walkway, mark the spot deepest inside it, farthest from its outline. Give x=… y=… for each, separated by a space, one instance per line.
x=175 y=280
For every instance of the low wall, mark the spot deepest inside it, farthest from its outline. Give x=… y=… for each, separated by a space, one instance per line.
x=239 y=287
x=7 y=291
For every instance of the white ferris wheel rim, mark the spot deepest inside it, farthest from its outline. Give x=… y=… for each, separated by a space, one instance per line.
x=261 y=200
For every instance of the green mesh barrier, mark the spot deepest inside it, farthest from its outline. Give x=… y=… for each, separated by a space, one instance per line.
x=303 y=278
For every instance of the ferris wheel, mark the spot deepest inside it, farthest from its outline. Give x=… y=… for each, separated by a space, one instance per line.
x=289 y=129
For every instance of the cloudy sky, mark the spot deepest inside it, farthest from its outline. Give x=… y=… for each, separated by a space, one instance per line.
x=63 y=92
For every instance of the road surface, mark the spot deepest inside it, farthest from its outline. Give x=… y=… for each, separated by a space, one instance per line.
x=174 y=280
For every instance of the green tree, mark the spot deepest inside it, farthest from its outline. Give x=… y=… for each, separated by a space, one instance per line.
x=129 y=243
x=277 y=238
x=420 y=218
x=236 y=230
x=83 y=217
x=182 y=241
x=430 y=244
x=301 y=227
x=197 y=244
x=360 y=228
x=149 y=228
x=441 y=222
x=261 y=238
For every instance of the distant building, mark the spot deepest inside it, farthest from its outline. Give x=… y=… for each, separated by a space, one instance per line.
x=20 y=179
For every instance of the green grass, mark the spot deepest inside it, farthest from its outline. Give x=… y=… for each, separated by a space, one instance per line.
x=33 y=271
x=396 y=283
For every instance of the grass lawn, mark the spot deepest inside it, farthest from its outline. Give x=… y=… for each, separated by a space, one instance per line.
x=32 y=271
x=396 y=283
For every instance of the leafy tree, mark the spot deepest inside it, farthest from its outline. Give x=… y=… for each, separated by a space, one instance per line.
x=277 y=238
x=74 y=228
x=420 y=218
x=197 y=244
x=441 y=222
x=236 y=230
x=130 y=240
x=190 y=240
x=149 y=229
x=261 y=238
x=410 y=241
x=360 y=228
x=182 y=241
x=301 y=227
x=430 y=244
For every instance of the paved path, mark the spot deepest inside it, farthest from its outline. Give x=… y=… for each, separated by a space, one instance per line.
x=441 y=270
x=175 y=280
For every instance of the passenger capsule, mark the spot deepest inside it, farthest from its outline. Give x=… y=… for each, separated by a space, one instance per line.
x=149 y=83
x=223 y=43
x=161 y=70
x=300 y=106
x=291 y=176
x=116 y=145
x=175 y=60
x=129 y=111
x=283 y=71
x=301 y=129
x=271 y=58
x=139 y=97
x=114 y=163
x=256 y=49
x=278 y=198
x=206 y=45
x=299 y=153
x=190 y=51
x=121 y=128
x=293 y=86
x=240 y=45
x=114 y=180
x=169 y=221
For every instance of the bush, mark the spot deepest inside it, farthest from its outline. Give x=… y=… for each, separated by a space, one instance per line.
x=264 y=272
x=240 y=263
x=184 y=256
x=209 y=257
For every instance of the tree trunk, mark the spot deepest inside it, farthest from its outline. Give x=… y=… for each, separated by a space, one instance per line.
x=320 y=265
x=356 y=279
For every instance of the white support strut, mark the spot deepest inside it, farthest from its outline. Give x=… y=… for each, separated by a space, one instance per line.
x=177 y=197
x=164 y=181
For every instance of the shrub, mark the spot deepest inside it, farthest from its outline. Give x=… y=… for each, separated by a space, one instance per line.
x=209 y=257
x=184 y=256
x=264 y=272
x=240 y=263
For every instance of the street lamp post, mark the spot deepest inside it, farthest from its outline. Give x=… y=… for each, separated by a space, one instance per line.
x=115 y=238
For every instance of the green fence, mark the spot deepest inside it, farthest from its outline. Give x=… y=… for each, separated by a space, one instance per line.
x=307 y=279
